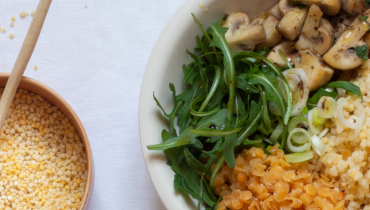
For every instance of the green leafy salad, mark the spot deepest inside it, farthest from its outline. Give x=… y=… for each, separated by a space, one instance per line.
x=235 y=101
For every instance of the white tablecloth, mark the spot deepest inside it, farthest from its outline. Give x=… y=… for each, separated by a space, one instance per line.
x=95 y=58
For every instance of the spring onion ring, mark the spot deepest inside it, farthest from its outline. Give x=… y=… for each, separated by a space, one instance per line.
x=322 y=134
x=317 y=145
x=298 y=84
x=310 y=122
x=277 y=132
x=298 y=157
x=341 y=118
x=357 y=129
x=302 y=148
x=326 y=107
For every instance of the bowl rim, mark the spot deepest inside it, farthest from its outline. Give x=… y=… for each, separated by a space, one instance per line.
x=27 y=81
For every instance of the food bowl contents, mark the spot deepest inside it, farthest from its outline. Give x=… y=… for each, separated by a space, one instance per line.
x=263 y=90
x=261 y=181
x=42 y=159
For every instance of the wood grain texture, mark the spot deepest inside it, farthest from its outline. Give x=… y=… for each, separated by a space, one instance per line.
x=23 y=58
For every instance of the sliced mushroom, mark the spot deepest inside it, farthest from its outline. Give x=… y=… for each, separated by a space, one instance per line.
x=287 y=48
x=342 y=55
x=273 y=37
x=340 y=22
x=243 y=35
x=367 y=38
x=353 y=7
x=329 y=7
x=317 y=71
x=258 y=21
x=317 y=34
x=274 y=11
x=284 y=7
x=292 y=23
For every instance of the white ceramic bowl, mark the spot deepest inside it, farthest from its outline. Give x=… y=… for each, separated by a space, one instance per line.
x=164 y=67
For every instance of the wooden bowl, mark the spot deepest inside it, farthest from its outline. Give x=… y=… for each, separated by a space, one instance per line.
x=54 y=98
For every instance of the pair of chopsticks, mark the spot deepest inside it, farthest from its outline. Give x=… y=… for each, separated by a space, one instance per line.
x=23 y=59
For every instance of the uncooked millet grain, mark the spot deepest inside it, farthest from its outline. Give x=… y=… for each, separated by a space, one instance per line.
x=43 y=164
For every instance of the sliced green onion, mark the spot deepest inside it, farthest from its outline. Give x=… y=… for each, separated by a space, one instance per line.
x=300 y=140
x=301 y=148
x=277 y=132
x=326 y=107
x=298 y=157
x=317 y=120
x=317 y=145
x=297 y=122
x=313 y=128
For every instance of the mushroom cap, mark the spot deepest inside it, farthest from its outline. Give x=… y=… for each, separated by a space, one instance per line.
x=317 y=34
x=318 y=73
x=273 y=37
x=288 y=49
x=292 y=23
x=342 y=55
x=353 y=7
x=329 y=7
x=274 y=10
x=243 y=35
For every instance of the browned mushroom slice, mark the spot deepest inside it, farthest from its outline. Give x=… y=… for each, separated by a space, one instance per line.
x=317 y=33
x=342 y=55
x=329 y=7
x=273 y=37
x=287 y=48
x=291 y=24
x=353 y=7
x=242 y=34
x=317 y=71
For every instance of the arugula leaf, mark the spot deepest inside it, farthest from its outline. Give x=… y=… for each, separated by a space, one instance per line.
x=228 y=148
x=212 y=132
x=272 y=90
x=185 y=138
x=187 y=97
x=171 y=116
x=348 y=86
x=218 y=40
x=216 y=120
x=361 y=51
x=190 y=73
x=242 y=84
x=180 y=184
x=266 y=122
x=195 y=164
x=240 y=115
x=242 y=55
x=252 y=124
x=314 y=100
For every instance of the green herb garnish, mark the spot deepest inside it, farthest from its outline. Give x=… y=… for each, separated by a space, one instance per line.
x=361 y=52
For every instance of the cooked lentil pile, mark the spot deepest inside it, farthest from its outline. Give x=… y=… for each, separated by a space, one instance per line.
x=43 y=163
x=261 y=181
x=348 y=158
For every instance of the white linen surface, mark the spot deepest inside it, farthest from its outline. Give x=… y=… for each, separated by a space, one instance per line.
x=95 y=58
